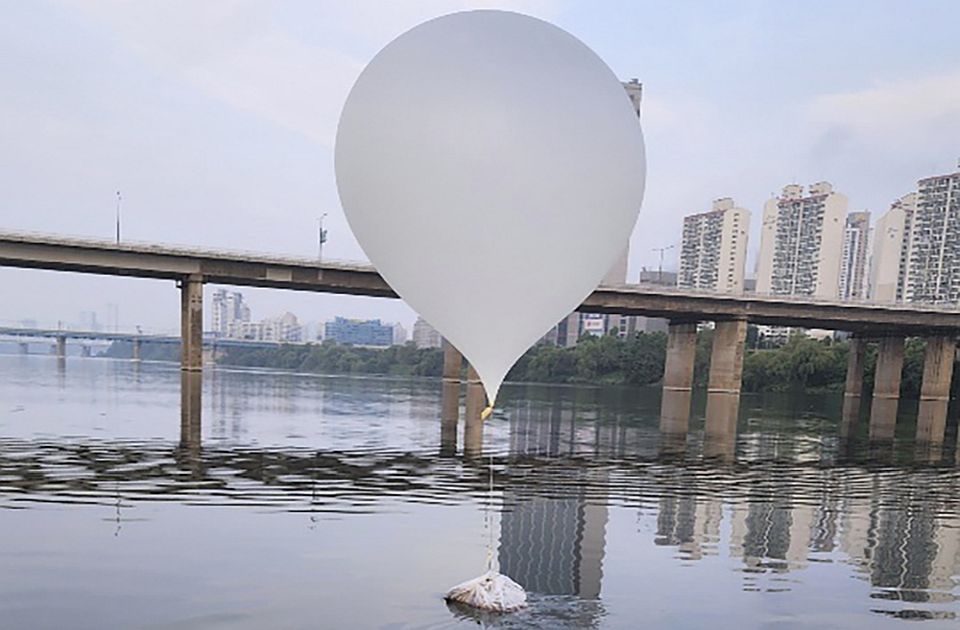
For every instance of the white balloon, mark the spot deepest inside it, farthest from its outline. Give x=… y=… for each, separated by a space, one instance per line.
x=492 y=168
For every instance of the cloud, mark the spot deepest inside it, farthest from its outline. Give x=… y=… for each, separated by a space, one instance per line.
x=243 y=54
x=907 y=119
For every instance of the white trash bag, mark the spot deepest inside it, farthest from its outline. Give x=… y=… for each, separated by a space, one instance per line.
x=491 y=591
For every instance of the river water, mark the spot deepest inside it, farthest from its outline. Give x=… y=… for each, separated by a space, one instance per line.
x=336 y=502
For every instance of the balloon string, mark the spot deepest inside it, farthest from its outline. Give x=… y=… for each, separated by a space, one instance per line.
x=486 y=412
x=490 y=521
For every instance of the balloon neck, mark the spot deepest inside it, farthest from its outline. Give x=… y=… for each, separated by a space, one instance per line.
x=486 y=412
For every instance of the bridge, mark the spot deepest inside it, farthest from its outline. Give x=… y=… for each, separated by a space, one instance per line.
x=61 y=335
x=887 y=324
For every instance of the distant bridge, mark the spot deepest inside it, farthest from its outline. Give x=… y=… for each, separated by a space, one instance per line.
x=99 y=335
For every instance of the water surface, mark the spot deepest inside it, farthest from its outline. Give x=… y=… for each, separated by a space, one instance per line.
x=306 y=501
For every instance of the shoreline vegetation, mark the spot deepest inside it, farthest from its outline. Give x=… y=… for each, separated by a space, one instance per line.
x=801 y=364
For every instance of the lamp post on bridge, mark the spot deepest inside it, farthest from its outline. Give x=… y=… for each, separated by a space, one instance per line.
x=321 y=237
x=119 y=202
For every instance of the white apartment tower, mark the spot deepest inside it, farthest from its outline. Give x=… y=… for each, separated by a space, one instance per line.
x=891 y=251
x=228 y=307
x=714 y=248
x=801 y=240
x=425 y=335
x=933 y=254
x=853 y=257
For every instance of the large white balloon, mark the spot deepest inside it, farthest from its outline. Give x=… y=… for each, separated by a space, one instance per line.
x=492 y=168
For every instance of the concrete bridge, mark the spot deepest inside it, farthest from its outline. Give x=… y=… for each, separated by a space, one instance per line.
x=61 y=335
x=887 y=324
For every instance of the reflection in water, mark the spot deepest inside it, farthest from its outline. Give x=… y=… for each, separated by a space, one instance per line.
x=775 y=505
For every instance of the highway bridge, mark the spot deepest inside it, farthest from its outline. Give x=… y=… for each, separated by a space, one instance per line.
x=887 y=324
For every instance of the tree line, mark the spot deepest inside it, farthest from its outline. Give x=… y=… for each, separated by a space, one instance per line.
x=802 y=363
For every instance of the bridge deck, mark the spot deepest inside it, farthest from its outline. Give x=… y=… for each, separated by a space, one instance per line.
x=249 y=269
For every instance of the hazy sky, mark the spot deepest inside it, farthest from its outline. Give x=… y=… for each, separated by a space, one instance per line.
x=216 y=121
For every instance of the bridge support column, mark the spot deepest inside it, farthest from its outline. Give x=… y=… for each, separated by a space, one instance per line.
x=137 y=346
x=678 y=379
x=935 y=390
x=61 y=348
x=853 y=391
x=886 y=389
x=191 y=323
x=450 y=399
x=452 y=363
x=473 y=425
x=24 y=348
x=726 y=371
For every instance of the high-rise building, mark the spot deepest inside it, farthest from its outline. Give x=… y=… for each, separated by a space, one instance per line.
x=425 y=335
x=359 y=332
x=932 y=269
x=399 y=334
x=714 y=248
x=801 y=239
x=853 y=257
x=228 y=308
x=891 y=250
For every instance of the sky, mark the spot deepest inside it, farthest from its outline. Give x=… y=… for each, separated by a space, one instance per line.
x=216 y=121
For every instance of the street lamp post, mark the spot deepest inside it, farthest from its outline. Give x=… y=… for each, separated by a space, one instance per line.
x=321 y=237
x=119 y=202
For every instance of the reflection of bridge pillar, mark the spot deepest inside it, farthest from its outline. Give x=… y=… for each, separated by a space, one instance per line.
x=726 y=370
x=191 y=383
x=886 y=389
x=191 y=323
x=935 y=391
x=473 y=425
x=678 y=378
x=137 y=343
x=61 y=347
x=449 y=417
x=853 y=391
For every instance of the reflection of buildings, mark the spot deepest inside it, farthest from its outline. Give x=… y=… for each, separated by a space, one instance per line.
x=903 y=548
x=554 y=545
x=887 y=525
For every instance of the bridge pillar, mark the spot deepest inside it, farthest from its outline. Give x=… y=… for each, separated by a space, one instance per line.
x=678 y=378
x=472 y=424
x=61 y=347
x=85 y=351
x=935 y=390
x=191 y=323
x=726 y=371
x=24 y=348
x=853 y=391
x=452 y=363
x=450 y=398
x=137 y=343
x=886 y=389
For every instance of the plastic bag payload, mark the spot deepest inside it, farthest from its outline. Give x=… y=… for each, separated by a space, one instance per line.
x=491 y=591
